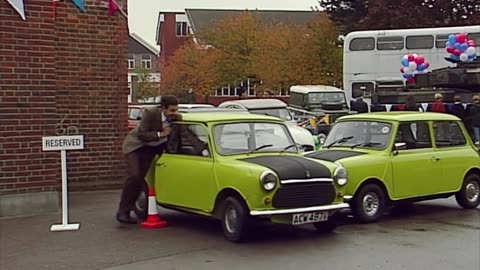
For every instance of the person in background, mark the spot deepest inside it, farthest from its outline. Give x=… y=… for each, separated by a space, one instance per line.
x=359 y=106
x=457 y=109
x=141 y=146
x=474 y=118
x=438 y=105
x=411 y=105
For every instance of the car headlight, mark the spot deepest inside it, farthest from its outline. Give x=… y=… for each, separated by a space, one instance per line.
x=268 y=180
x=340 y=176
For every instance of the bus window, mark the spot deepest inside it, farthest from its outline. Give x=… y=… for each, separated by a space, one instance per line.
x=419 y=42
x=475 y=37
x=390 y=43
x=362 y=89
x=441 y=40
x=362 y=44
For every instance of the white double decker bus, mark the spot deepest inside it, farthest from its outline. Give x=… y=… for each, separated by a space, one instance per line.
x=372 y=58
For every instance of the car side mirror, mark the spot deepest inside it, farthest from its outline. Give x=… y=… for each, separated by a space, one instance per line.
x=139 y=118
x=399 y=146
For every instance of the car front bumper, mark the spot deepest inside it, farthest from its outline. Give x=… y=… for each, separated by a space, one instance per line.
x=333 y=207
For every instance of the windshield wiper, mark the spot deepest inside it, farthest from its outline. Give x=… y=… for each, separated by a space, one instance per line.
x=260 y=147
x=367 y=144
x=288 y=147
x=341 y=140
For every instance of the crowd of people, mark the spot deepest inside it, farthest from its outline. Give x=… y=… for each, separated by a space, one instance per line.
x=470 y=115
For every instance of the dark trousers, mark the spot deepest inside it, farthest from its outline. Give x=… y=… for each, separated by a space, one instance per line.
x=138 y=163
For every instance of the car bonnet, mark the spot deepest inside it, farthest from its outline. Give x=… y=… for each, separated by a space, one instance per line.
x=333 y=155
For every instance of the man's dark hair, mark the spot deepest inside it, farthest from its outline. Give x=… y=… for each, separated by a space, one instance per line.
x=169 y=100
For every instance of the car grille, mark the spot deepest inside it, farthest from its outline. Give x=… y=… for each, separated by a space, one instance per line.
x=304 y=195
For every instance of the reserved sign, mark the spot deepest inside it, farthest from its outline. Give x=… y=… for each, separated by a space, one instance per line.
x=56 y=143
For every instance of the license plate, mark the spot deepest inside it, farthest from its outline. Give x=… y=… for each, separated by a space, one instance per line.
x=313 y=217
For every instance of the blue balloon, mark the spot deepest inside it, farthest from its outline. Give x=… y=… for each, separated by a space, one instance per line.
x=452 y=39
x=405 y=62
x=407 y=76
x=463 y=47
x=421 y=67
x=457 y=45
x=454 y=57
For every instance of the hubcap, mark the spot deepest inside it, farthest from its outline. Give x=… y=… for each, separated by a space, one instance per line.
x=371 y=203
x=472 y=191
x=230 y=219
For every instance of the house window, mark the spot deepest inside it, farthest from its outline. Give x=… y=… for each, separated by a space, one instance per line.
x=131 y=61
x=181 y=29
x=146 y=61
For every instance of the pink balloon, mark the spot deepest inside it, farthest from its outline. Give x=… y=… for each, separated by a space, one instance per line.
x=427 y=64
x=471 y=43
x=450 y=49
x=411 y=58
x=457 y=52
x=411 y=80
x=461 y=38
x=420 y=59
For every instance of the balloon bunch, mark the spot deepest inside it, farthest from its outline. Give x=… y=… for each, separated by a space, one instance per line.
x=413 y=64
x=460 y=48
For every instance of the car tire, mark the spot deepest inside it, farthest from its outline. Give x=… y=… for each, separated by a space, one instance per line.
x=368 y=204
x=325 y=226
x=141 y=204
x=469 y=195
x=235 y=220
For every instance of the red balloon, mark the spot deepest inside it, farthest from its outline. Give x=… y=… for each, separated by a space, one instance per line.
x=427 y=64
x=420 y=60
x=457 y=52
x=411 y=80
x=450 y=49
x=411 y=58
x=461 y=38
x=402 y=70
x=471 y=43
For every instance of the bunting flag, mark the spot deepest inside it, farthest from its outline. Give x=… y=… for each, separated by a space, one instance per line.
x=465 y=105
x=389 y=107
x=19 y=7
x=54 y=7
x=80 y=4
x=113 y=7
x=425 y=106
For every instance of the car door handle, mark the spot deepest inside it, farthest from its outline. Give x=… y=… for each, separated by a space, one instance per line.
x=435 y=158
x=162 y=165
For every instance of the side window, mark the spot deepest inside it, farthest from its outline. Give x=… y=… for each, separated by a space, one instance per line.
x=414 y=135
x=135 y=114
x=441 y=40
x=419 y=42
x=364 y=89
x=448 y=133
x=362 y=44
x=188 y=139
x=390 y=43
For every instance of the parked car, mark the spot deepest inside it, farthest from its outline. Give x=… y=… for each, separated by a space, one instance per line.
x=403 y=157
x=135 y=113
x=275 y=108
x=244 y=167
x=195 y=106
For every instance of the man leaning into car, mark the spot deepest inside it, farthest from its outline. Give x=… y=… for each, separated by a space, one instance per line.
x=141 y=146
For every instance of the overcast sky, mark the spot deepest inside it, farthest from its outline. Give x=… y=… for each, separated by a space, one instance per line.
x=143 y=14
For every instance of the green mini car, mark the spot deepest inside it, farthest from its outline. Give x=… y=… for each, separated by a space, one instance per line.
x=239 y=168
x=402 y=157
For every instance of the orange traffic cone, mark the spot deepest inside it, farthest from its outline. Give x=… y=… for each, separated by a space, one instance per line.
x=153 y=220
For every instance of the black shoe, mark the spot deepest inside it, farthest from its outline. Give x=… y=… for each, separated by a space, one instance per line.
x=126 y=218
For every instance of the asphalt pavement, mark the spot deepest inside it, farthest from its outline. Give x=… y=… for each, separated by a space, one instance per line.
x=432 y=235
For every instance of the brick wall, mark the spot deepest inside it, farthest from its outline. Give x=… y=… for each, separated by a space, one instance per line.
x=74 y=67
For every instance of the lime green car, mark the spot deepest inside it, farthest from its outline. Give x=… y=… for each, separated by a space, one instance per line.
x=402 y=157
x=242 y=167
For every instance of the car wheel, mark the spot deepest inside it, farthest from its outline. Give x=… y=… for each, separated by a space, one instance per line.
x=368 y=204
x=141 y=204
x=326 y=226
x=469 y=196
x=235 y=219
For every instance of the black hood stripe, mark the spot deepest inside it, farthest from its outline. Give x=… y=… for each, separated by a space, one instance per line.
x=292 y=167
x=333 y=155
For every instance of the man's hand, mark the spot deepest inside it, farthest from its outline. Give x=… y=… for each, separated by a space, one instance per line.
x=165 y=131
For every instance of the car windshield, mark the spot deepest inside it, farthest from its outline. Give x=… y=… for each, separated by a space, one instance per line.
x=240 y=138
x=281 y=113
x=326 y=97
x=365 y=134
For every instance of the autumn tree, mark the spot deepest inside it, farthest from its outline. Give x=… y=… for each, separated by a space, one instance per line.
x=345 y=13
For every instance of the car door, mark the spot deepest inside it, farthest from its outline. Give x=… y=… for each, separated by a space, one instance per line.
x=186 y=177
x=454 y=153
x=415 y=167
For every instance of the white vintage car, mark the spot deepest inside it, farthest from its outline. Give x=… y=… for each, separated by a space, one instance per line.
x=275 y=108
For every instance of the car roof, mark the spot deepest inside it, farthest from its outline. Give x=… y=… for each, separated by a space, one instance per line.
x=225 y=117
x=211 y=109
x=258 y=103
x=305 y=89
x=191 y=106
x=402 y=116
x=141 y=106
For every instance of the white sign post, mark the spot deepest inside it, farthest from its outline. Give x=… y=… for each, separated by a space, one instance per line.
x=62 y=144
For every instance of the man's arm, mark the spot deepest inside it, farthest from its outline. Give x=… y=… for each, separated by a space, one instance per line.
x=144 y=128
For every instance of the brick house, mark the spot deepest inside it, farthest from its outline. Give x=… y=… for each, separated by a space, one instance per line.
x=174 y=28
x=57 y=73
x=141 y=55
